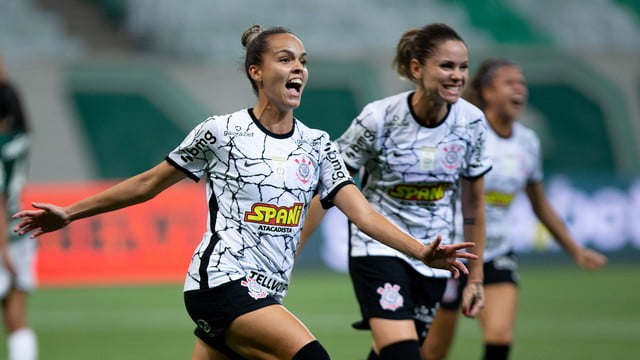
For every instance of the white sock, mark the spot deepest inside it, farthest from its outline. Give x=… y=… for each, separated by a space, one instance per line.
x=22 y=345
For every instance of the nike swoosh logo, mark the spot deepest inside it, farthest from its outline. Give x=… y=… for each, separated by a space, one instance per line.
x=250 y=164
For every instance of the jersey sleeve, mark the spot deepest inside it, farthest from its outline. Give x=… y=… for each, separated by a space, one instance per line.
x=196 y=153
x=358 y=143
x=333 y=173
x=478 y=161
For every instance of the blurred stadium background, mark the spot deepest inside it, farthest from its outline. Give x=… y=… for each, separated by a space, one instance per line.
x=111 y=86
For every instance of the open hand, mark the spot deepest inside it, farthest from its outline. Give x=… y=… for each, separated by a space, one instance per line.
x=446 y=256
x=48 y=218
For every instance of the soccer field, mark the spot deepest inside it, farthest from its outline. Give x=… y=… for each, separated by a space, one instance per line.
x=564 y=314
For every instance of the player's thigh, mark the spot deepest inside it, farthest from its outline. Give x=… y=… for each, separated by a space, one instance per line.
x=202 y=351
x=389 y=331
x=440 y=335
x=498 y=316
x=270 y=332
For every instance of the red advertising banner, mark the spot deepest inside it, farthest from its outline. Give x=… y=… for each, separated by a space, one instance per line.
x=147 y=243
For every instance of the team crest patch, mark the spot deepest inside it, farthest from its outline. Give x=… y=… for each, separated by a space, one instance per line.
x=304 y=169
x=256 y=290
x=390 y=298
x=452 y=156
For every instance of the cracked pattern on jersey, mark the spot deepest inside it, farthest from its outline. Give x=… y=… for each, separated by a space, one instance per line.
x=516 y=162
x=259 y=185
x=411 y=172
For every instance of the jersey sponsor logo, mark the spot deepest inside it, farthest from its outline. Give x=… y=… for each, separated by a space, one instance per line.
x=496 y=198
x=360 y=144
x=452 y=156
x=304 y=170
x=237 y=131
x=265 y=282
x=334 y=158
x=419 y=192
x=199 y=146
x=269 y=214
x=396 y=121
x=314 y=142
x=390 y=298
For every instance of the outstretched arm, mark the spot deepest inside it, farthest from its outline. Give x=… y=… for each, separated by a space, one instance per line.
x=354 y=205
x=585 y=258
x=133 y=190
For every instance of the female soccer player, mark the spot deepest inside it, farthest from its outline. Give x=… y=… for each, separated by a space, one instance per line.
x=415 y=152
x=499 y=88
x=17 y=253
x=262 y=167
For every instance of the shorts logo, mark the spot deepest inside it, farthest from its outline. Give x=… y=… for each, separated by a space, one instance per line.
x=390 y=298
x=256 y=290
x=205 y=327
x=304 y=171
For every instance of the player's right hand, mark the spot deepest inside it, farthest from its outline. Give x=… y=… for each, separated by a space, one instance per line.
x=446 y=256
x=48 y=218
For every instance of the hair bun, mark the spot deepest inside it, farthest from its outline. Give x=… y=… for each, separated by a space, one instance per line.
x=250 y=34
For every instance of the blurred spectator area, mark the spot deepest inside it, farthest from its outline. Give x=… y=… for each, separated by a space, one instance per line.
x=113 y=85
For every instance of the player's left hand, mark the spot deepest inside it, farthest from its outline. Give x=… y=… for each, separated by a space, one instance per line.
x=446 y=256
x=588 y=259
x=472 y=299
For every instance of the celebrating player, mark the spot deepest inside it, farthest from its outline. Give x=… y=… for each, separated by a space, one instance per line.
x=262 y=167
x=415 y=152
x=499 y=88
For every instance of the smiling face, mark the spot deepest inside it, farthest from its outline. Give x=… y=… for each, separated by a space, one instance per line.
x=506 y=95
x=282 y=75
x=444 y=73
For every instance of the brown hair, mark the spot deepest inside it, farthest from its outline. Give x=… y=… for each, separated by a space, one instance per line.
x=483 y=77
x=254 y=40
x=420 y=44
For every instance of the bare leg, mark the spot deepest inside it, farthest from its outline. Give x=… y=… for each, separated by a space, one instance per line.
x=269 y=333
x=440 y=336
x=498 y=316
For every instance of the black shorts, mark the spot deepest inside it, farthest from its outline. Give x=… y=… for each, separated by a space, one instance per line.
x=214 y=309
x=388 y=287
x=502 y=269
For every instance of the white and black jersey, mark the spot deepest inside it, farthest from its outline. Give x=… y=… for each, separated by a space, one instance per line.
x=258 y=187
x=14 y=148
x=516 y=163
x=410 y=172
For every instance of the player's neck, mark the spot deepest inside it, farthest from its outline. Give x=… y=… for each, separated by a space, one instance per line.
x=273 y=119
x=500 y=125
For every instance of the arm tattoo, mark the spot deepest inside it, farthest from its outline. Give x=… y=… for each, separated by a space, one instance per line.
x=469 y=221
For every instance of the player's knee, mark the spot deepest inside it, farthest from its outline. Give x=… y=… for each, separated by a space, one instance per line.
x=499 y=335
x=312 y=351
x=434 y=354
x=406 y=350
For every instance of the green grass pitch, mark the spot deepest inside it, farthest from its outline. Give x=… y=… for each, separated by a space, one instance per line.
x=564 y=313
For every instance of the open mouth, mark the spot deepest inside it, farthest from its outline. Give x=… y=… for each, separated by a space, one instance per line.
x=294 y=86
